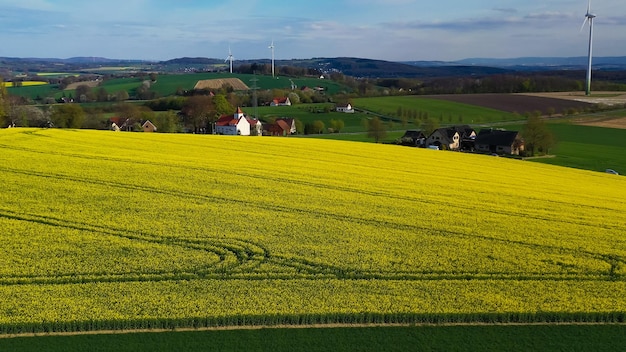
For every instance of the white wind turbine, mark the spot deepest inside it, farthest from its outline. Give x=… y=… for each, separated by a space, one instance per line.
x=272 y=48
x=230 y=58
x=589 y=18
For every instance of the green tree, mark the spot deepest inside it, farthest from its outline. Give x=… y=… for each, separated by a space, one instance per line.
x=222 y=106
x=429 y=126
x=376 y=129
x=167 y=122
x=537 y=136
x=200 y=111
x=294 y=98
x=68 y=116
x=122 y=95
x=318 y=126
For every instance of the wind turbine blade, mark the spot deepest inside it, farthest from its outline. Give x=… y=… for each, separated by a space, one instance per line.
x=584 y=23
x=589 y=7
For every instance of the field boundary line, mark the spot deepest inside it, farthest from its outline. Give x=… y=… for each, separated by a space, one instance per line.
x=304 y=326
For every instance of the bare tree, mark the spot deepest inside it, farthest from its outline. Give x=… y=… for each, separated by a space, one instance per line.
x=376 y=129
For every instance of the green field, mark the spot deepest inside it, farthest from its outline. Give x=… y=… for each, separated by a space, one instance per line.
x=446 y=112
x=168 y=84
x=34 y=92
x=585 y=147
x=545 y=338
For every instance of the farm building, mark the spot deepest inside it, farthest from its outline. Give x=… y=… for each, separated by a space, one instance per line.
x=290 y=122
x=345 y=108
x=499 y=141
x=414 y=138
x=237 y=124
x=278 y=128
x=281 y=102
x=445 y=138
x=148 y=126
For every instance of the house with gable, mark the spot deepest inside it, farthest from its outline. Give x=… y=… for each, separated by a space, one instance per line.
x=467 y=135
x=148 y=126
x=281 y=102
x=291 y=124
x=237 y=124
x=499 y=142
x=445 y=139
x=347 y=108
x=414 y=138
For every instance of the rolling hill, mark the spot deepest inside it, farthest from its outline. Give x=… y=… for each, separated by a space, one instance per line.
x=105 y=230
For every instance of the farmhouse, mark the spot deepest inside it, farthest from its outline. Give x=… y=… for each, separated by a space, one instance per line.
x=281 y=127
x=499 y=141
x=445 y=138
x=414 y=138
x=237 y=124
x=468 y=137
x=148 y=126
x=281 y=102
x=345 y=108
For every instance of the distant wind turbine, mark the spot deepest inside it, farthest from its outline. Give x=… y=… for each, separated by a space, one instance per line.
x=589 y=18
x=230 y=58
x=272 y=48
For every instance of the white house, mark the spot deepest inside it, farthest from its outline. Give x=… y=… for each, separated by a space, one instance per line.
x=149 y=126
x=345 y=108
x=281 y=102
x=445 y=138
x=238 y=124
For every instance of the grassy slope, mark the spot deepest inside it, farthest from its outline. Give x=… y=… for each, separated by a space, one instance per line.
x=445 y=112
x=588 y=147
x=426 y=338
x=585 y=147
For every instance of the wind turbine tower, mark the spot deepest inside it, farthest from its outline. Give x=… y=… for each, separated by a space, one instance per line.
x=589 y=18
x=230 y=58
x=271 y=47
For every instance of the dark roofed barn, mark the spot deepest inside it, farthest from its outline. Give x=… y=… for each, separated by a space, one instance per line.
x=499 y=142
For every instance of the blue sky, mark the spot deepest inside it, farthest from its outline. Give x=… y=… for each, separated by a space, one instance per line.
x=379 y=29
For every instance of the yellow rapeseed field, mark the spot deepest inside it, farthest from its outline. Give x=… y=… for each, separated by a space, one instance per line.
x=26 y=83
x=104 y=230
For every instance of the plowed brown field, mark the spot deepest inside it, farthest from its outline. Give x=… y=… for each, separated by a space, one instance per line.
x=236 y=83
x=520 y=103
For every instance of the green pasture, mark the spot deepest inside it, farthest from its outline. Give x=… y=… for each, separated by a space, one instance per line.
x=422 y=338
x=588 y=147
x=33 y=92
x=308 y=113
x=167 y=84
x=446 y=112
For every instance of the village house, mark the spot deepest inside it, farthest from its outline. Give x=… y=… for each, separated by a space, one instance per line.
x=280 y=127
x=348 y=109
x=281 y=102
x=149 y=126
x=445 y=139
x=237 y=124
x=414 y=138
x=499 y=142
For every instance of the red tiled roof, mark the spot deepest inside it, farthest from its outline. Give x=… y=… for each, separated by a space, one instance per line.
x=283 y=125
x=226 y=120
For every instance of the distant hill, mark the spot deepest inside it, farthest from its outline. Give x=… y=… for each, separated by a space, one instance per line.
x=192 y=61
x=350 y=66
x=533 y=63
x=358 y=67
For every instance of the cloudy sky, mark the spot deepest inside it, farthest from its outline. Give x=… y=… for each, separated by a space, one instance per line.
x=379 y=29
